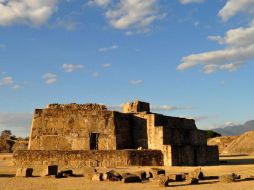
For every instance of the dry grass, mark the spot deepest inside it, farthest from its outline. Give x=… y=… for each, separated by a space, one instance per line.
x=243 y=165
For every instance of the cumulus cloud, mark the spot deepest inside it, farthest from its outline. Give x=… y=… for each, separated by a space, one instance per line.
x=18 y=123
x=239 y=48
x=71 y=67
x=34 y=12
x=190 y=1
x=234 y=7
x=50 y=78
x=106 y=49
x=136 y=82
x=136 y=15
x=132 y=12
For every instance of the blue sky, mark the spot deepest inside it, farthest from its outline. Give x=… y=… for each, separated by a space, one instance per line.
x=188 y=58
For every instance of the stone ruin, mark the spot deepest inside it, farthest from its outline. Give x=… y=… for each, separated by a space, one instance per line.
x=79 y=135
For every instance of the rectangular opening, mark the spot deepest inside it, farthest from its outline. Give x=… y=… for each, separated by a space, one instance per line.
x=94 y=141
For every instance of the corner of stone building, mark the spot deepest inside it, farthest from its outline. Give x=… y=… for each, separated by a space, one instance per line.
x=135 y=107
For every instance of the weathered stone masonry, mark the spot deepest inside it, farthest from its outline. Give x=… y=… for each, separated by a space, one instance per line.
x=88 y=130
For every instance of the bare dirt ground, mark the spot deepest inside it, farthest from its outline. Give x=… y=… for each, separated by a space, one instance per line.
x=242 y=165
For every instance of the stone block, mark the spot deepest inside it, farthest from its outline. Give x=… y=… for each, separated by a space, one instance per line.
x=192 y=181
x=228 y=178
x=163 y=181
x=141 y=174
x=176 y=177
x=97 y=177
x=24 y=172
x=154 y=172
x=88 y=172
x=197 y=173
x=114 y=176
x=130 y=178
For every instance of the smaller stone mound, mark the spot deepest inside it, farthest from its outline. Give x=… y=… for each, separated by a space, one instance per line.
x=221 y=142
x=244 y=144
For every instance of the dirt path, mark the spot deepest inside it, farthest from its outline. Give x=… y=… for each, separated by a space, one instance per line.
x=242 y=165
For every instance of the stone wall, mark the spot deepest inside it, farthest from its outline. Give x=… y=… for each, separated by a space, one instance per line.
x=123 y=131
x=181 y=136
x=70 y=129
x=80 y=159
x=194 y=155
x=174 y=122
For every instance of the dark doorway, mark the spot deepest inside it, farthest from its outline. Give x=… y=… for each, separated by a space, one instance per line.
x=94 y=141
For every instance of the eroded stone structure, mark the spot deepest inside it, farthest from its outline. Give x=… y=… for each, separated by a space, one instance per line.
x=90 y=134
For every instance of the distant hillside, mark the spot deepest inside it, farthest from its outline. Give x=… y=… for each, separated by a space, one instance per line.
x=236 y=130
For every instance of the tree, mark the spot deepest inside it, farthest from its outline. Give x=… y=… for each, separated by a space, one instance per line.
x=6 y=133
x=212 y=134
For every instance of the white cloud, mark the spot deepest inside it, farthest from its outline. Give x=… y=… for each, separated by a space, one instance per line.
x=9 y=82
x=136 y=82
x=106 y=49
x=198 y=118
x=163 y=107
x=133 y=13
x=106 y=65
x=234 y=7
x=18 y=123
x=99 y=2
x=190 y=1
x=239 y=49
x=50 y=78
x=35 y=12
x=71 y=67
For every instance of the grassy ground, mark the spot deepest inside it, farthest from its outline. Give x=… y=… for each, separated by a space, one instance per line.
x=243 y=165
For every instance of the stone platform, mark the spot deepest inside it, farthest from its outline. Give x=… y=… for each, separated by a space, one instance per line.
x=79 y=159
